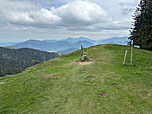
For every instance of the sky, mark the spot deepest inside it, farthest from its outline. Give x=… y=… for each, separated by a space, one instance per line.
x=22 y=20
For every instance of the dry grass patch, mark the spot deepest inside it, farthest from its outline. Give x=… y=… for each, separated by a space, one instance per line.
x=2 y=83
x=115 y=85
x=94 y=48
x=102 y=80
x=92 y=77
x=82 y=70
x=108 y=46
x=87 y=62
x=47 y=76
x=150 y=68
x=84 y=63
x=111 y=73
x=106 y=62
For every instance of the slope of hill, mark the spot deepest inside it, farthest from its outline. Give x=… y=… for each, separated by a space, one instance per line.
x=68 y=50
x=64 y=86
x=13 y=61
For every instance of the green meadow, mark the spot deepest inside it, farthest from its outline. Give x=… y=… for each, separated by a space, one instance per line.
x=102 y=85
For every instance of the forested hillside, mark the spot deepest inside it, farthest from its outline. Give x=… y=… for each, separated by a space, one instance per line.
x=13 y=61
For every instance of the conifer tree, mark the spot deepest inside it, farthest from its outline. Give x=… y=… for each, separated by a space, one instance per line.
x=141 y=33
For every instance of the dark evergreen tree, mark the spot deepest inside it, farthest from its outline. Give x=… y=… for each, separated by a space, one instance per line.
x=141 y=33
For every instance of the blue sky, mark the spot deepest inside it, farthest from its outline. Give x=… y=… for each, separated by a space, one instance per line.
x=21 y=20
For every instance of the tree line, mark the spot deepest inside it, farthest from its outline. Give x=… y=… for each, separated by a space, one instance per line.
x=141 y=33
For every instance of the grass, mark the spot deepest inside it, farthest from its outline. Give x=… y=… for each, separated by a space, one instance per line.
x=61 y=87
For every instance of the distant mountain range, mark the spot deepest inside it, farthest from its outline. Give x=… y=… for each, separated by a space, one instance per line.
x=67 y=45
x=7 y=44
x=116 y=40
x=74 y=40
x=13 y=61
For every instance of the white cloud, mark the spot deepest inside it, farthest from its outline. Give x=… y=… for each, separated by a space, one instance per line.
x=26 y=13
x=77 y=12
x=63 y=18
x=81 y=12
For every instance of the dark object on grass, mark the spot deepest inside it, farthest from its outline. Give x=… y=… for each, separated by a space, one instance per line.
x=103 y=93
x=91 y=77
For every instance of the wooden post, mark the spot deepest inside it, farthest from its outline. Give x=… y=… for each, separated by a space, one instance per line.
x=87 y=52
x=82 y=50
x=131 y=56
x=125 y=57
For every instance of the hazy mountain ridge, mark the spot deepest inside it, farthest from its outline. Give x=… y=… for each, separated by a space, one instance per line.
x=54 y=45
x=73 y=40
x=68 y=45
x=116 y=40
x=7 y=44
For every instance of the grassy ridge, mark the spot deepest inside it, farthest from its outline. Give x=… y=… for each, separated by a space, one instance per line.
x=61 y=86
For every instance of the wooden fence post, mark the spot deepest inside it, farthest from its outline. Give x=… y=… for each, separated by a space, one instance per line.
x=87 y=52
x=82 y=50
x=131 y=56
x=125 y=57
